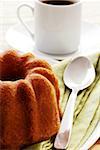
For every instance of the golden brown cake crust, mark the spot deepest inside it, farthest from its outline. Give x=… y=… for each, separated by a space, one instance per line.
x=29 y=100
x=50 y=76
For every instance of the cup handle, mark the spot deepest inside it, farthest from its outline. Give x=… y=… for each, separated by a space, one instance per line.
x=20 y=18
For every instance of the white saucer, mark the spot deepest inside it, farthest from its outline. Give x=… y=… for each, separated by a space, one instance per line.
x=20 y=39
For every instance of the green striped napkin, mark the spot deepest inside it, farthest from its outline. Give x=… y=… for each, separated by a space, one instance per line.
x=87 y=108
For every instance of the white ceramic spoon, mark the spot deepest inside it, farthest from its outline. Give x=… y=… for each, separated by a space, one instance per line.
x=78 y=75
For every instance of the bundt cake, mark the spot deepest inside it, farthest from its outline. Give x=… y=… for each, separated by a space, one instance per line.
x=29 y=101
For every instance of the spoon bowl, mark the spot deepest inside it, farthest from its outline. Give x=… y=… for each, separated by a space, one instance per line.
x=79 y=74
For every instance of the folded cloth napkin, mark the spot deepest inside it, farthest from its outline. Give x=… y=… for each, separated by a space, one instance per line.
x=87 y=108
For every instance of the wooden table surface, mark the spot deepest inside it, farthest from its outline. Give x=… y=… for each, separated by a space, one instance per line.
x=8 y=18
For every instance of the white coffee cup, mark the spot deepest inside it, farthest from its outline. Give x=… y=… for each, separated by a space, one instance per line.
x=57 y=27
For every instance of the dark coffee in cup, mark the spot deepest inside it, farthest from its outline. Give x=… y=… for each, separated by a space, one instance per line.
x=57 y=2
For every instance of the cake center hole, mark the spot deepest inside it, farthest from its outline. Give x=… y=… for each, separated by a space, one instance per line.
x=12 y=76
x=12 y=72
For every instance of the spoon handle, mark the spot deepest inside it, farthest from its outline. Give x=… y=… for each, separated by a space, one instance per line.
x=63 y=136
